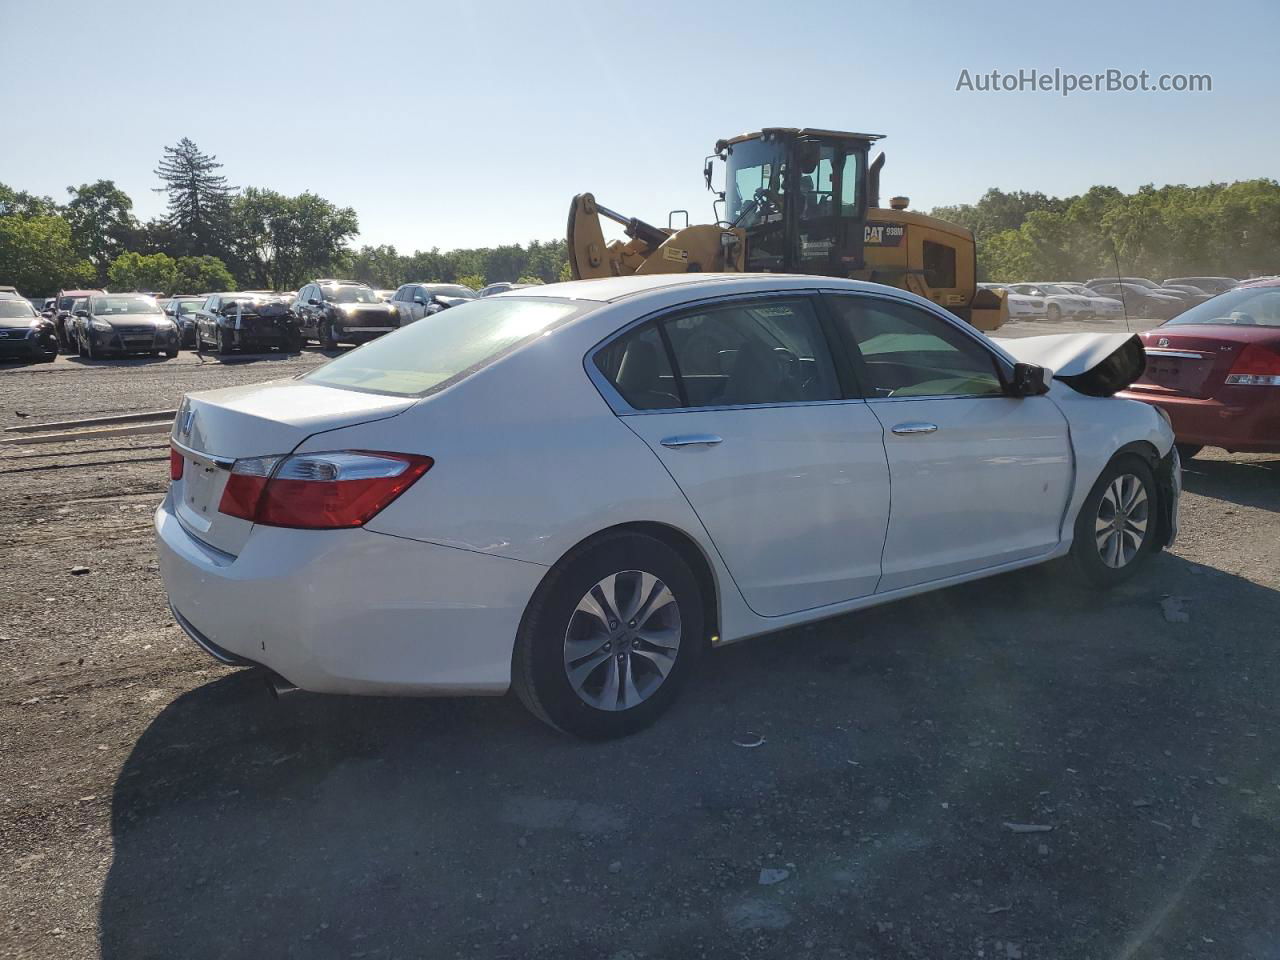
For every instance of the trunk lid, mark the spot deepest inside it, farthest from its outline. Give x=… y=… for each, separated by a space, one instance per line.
x=215 y=428
x=1193 y=360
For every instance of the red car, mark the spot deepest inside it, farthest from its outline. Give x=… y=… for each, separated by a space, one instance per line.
x=1215 y=370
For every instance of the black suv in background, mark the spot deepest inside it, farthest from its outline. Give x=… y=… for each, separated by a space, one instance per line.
x=246 y=321
x=343 y=311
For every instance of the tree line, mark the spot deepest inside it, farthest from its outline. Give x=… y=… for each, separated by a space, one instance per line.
x=214 y=236
x=1220 y=229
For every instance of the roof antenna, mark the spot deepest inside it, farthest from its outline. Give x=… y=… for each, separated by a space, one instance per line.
x=1120 y=283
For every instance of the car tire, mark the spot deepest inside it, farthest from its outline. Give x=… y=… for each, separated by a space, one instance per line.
x=224 y=345
x=1188 y=450
x=1054 y=312
x=648 y=659
x=1122 y=506
x=295 y=343
x=171 y=353
x=327 y=339
x=87 y=347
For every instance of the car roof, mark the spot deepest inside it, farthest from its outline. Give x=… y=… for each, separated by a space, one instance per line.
x=614 y=289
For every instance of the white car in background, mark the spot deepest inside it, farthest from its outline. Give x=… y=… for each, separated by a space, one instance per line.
x=577 y=490
x=1104 y=308
x=1021 y=306
x=1059 y=304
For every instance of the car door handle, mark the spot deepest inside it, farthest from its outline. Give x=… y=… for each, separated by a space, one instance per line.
x=692 y=440
x=906 y=429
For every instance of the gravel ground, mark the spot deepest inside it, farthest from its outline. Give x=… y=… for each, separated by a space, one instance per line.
x=1011 y=768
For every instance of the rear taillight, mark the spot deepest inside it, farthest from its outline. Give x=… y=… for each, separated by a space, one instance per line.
x=176 y=460
x=319 y=491
x=1256 y=366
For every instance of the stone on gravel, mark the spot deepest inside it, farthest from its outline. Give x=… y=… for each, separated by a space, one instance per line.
x=771 y=875
x=1028 y=827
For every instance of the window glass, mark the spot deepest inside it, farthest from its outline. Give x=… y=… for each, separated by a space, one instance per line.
x=814 y=185
x=638 y=368
x=1247 y=307
x=15 y=309
x=849 y=186
x=107 y=306
x=908 y=352
x=348 y=293
x=769 y=351
x=446 y=347
x=939 y=264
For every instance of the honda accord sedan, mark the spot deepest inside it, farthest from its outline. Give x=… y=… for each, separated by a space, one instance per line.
x=577 y=490
x=1215 y=370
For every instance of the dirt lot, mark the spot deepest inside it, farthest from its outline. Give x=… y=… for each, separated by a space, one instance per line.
x=156 y=805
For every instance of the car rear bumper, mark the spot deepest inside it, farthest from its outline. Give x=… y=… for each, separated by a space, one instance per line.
x=350 y=611
x=1243 y=424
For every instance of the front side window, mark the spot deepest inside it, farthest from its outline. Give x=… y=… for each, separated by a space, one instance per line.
x=753 y=181
x=909 y=352
x=445 y=347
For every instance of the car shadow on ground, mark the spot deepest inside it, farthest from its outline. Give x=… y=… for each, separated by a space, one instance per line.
x=131 y=360
x=873 y=760
x=232 y=359
x=1247 y=483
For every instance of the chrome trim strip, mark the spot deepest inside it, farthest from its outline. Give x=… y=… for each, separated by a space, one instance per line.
x=692 y=440
x=1186 y=354
x=222 y=463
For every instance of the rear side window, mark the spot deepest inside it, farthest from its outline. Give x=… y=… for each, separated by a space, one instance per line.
x=446 y=347
x=908 y=352
x=738 y=354
x=638 y=367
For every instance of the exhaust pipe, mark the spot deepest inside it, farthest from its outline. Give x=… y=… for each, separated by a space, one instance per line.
x=278 y=685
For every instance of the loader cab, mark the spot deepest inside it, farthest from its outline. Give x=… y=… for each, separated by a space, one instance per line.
x=801 y=197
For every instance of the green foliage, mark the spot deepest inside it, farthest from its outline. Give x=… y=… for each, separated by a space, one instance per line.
x=37 y=257
x=531 y=280
x=19 y=203
x=202 y=275
x=1214 y=230
x=199 y=198
x=155 y=272
x=473 y=280
x=282 y=242
x=102 y=223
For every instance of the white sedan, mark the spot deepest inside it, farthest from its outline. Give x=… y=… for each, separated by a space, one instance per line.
x=1059 y=303
x=576 y=490
x=1021 y=306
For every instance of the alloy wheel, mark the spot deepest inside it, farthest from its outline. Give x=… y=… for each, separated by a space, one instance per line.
x=1121 y=524
x=622 y=640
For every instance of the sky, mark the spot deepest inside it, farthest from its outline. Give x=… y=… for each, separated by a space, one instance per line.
x=475 y=123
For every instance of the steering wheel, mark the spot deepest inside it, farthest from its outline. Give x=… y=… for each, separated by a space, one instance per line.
x=767 y=199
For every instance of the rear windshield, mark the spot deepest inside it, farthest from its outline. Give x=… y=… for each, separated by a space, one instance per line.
x=443 y=348
x=1259 y=307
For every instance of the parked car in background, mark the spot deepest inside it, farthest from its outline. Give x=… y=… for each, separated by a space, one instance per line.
x=414 y=301
x=24 y=333
x=1106 y=308
x=246 y=321
x=385 y=295
x=1215 y=370
x=1141 y=301
x=501 y=286
x=343 y=311
x=13 y=291
x=1059 y=304
x=123 y=323
x=64 y=312
x=1021 y=306
x=701 y=467
x=182 y=311
x=1214 y=285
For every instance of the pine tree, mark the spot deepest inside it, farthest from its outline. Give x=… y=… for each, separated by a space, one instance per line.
x=199 y=198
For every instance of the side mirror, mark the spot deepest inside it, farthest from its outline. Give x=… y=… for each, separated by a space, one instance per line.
x=313 y=301
x=1029 y=380
x=82 y=313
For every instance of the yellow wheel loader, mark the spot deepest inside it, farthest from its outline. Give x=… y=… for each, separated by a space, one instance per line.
x=797 y=201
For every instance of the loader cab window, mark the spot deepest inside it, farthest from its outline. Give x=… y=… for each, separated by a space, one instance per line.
x=754 y=182
x=939 y=265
